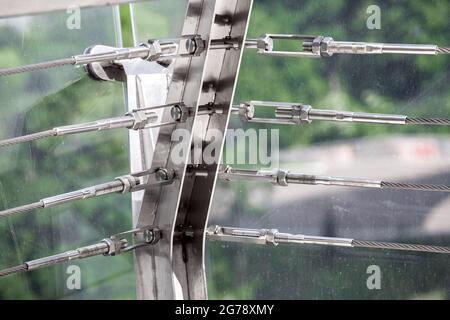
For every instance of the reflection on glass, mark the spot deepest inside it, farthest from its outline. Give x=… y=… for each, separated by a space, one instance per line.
x=37 y=101
x=416 y=86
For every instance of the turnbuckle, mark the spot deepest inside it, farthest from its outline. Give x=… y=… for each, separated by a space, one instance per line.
x=298 y=114
x=320 y=46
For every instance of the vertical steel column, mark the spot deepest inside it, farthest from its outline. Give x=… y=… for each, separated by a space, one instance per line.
x=221 y=70
x=173 y=268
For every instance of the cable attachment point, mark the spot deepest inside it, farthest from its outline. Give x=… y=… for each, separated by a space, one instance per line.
x=280 y=177
x=226 y=43
x=164 y=175
x=115 y=245
x=106 y=63
x=192 y=45
x=271 y=236
x=111 y=246
x=123 y=184
x=320 y=46
x=266 y=45
x=283 y=112
x=179 y=112
x=300 y=114
x=152 y=236
x=129 y=182
x=143 y=236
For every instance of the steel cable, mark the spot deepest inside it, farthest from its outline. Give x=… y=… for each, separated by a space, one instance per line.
x=442 y=50
x=400 y=246
x=37 y=66
x=415 y=186
x=274 y=237
x=16 y=269
x=428 y=121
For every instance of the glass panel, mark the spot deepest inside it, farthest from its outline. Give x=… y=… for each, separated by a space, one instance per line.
x=33 y=102
x=158 y=19
x=398 y=84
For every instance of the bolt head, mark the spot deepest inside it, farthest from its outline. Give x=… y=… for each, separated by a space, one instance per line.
x=176 y=113
x=149 y=236
x=162 y=175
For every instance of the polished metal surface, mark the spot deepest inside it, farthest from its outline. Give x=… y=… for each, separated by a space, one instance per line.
x=319 y=46
x=270 y=237
x=221 y=71
x=346 y=116
x=156 y=277
x=174 y=268
x=298 y=113
x=328 y=47
x=265 y=45
x=285 y=177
